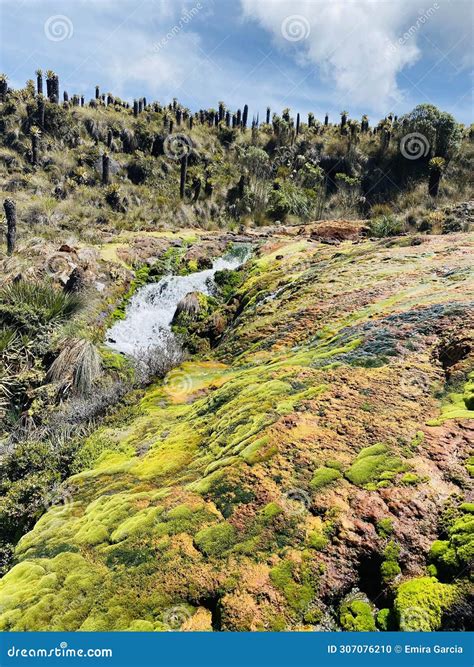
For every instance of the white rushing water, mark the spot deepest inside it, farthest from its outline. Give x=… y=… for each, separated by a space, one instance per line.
x=149 y=314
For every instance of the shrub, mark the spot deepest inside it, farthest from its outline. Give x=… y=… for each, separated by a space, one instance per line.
x=77 y=366
x=29 y=305
x=289 y=199
x=385 y=225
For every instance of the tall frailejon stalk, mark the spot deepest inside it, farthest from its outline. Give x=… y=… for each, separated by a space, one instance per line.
x=182 y=180
x=297 y=123
x=52 y=86
x=310 y=119
x=3 y=87
x=268 y=116
x=245 y=116
x=105 y=169
x=343 y=121
x=326 y=120
x=35 y=135
x=135 y=108
x=364 y=124
x=221 y=111
x=10 y=213
x=39 y=81
x=97 y=92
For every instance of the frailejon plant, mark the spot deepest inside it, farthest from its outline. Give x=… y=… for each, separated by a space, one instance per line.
x=35 y=135
x=10 y=212
x=39 y=81
x=436 y=166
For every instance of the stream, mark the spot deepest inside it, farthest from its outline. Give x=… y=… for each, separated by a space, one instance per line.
x=148 y=316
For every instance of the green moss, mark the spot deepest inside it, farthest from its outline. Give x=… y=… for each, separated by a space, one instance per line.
x=96 y=447
x=420 y=603
x=295 y=585
x=385 y=527
x=386 y=620
x=390 y=568
x=216 y=540
x=323 y=477
x=453 y=555
x=371 y=463
x=409 y=478
x=356 y=615
x=458 y=405
x=317 y=540
x=270 y=511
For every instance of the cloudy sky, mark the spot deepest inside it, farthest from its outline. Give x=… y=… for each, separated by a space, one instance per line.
x=365 y=56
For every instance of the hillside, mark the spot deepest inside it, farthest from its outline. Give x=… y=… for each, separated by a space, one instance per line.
x=306 y=462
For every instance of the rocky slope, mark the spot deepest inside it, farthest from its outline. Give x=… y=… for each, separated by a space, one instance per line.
x=312 y=470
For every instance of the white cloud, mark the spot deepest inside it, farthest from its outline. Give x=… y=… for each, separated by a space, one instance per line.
x=358 y=45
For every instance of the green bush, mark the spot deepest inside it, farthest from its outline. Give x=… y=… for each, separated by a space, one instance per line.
x=385 y=225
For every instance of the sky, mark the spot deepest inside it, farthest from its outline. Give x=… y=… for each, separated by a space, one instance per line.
x=363 y=56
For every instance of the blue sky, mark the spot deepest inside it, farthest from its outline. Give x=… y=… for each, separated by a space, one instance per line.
x=366 y=56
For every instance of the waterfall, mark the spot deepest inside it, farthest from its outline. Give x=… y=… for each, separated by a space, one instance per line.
x=148 y=316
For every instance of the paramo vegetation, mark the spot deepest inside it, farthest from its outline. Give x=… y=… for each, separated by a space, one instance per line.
x=299 y=456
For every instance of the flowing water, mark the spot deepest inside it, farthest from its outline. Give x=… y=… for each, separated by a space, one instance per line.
x=147 y=322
